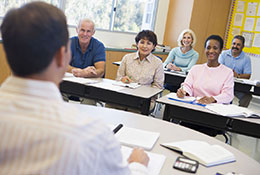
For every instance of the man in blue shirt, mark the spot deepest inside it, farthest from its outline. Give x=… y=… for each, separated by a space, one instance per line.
x=88 y=54
x=237 y=60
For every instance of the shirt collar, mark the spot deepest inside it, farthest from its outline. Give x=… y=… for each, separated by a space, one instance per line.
x=29 y=87
x=90 y=46
x=229 y=53
x=148 y=58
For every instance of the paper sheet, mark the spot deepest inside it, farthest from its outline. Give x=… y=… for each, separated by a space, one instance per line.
x=186 y=98
x=155 y=164
x=249 y=24
x=240 y=6
x=256 y=42
x=251 y=9
x=137 y=138
x=238 y=20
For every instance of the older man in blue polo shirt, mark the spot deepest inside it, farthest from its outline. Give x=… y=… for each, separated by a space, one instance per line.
x=237 y=60
x=88 y=54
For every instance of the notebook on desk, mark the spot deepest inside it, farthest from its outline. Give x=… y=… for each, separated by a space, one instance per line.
x=136 y=137
x=204 y=153
x=72 y=78
x=232 y=110
x=129 y=85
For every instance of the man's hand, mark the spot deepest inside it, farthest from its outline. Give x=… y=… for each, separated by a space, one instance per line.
x=206 y=100
x=88 y=72
x=235 y=74
x=138 y=155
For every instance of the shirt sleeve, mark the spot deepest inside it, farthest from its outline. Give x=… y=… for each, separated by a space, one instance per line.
x=188 y=82
x=170 y=58
x=100 y=54
x=221 y=58
x=227 y=92
x=158 y=77
x=193 y=61
x=111 y=160
x=247 y=66
x=121 y=72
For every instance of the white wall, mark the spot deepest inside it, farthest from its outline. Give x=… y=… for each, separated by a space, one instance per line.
x=125 y=40
x=255 y=61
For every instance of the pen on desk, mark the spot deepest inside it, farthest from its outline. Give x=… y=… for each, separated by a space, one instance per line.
x=117 y=128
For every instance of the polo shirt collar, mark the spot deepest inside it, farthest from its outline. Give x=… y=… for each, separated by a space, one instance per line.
x=90 y=46
x=230 y=54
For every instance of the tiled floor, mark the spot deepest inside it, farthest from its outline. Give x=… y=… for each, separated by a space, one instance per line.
x=248 y=145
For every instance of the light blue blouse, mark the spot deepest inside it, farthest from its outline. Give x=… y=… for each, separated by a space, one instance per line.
x=183 y=60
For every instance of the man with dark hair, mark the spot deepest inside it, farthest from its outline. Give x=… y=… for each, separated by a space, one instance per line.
x=40 y=133
x=240 y=63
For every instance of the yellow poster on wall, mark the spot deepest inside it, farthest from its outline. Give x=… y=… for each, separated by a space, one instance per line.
x=245 y=20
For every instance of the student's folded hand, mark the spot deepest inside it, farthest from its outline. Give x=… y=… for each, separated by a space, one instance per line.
x=126 y=79
x=206 y=100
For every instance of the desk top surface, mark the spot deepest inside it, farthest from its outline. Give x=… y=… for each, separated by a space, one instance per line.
x=165 y=100
x=170 y=132
x=107 y=84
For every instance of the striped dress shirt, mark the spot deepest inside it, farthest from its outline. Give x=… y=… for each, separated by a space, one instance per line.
x=42 y=134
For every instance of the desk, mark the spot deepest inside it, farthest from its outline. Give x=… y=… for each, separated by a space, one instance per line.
x=138 y=98
x=201 y=116
x=176 y=79
x=170 y=132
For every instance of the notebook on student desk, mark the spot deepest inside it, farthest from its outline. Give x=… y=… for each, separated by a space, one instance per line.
x=232 y=110
x=129 y=85
x=72 y=78
x=185 y=99
x=204 y=153
x=136 y=137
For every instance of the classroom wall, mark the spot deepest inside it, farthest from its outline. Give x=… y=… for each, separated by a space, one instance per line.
x=178 y=19
x=255 y=61
x=204 y=17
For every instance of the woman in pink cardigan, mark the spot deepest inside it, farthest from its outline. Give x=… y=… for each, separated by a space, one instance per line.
x=212 y=82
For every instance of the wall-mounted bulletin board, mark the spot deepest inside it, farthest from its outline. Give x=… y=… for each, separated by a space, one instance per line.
x=245 y=20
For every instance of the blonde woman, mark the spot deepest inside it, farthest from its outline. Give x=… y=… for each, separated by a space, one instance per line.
x=182 y=58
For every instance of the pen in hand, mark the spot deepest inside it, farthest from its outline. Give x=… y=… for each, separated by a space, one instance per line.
x=117 y=128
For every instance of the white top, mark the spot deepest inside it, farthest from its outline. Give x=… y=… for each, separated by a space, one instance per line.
x=41 y=134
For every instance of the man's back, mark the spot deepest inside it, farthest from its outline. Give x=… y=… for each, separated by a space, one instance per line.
x=48 y=136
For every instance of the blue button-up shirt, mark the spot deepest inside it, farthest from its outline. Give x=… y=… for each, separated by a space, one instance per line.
x=240 y=64
x=94 y=53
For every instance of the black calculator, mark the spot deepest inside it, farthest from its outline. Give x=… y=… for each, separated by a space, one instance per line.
x=185 y=164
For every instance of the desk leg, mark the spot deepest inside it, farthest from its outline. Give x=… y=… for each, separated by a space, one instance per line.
x=145 y=109
x=166 y=113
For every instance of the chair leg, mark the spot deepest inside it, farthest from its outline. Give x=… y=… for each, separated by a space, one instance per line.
x=228 y=138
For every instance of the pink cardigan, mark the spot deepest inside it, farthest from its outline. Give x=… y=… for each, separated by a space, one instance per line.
x=217 y=82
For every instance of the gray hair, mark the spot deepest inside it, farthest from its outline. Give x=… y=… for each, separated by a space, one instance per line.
x=189 y=31
x=88 y=21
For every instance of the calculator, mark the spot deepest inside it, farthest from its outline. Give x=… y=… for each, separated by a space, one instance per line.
x=185 y=164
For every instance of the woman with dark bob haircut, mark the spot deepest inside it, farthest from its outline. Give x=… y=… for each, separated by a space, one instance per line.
x=142 y=66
